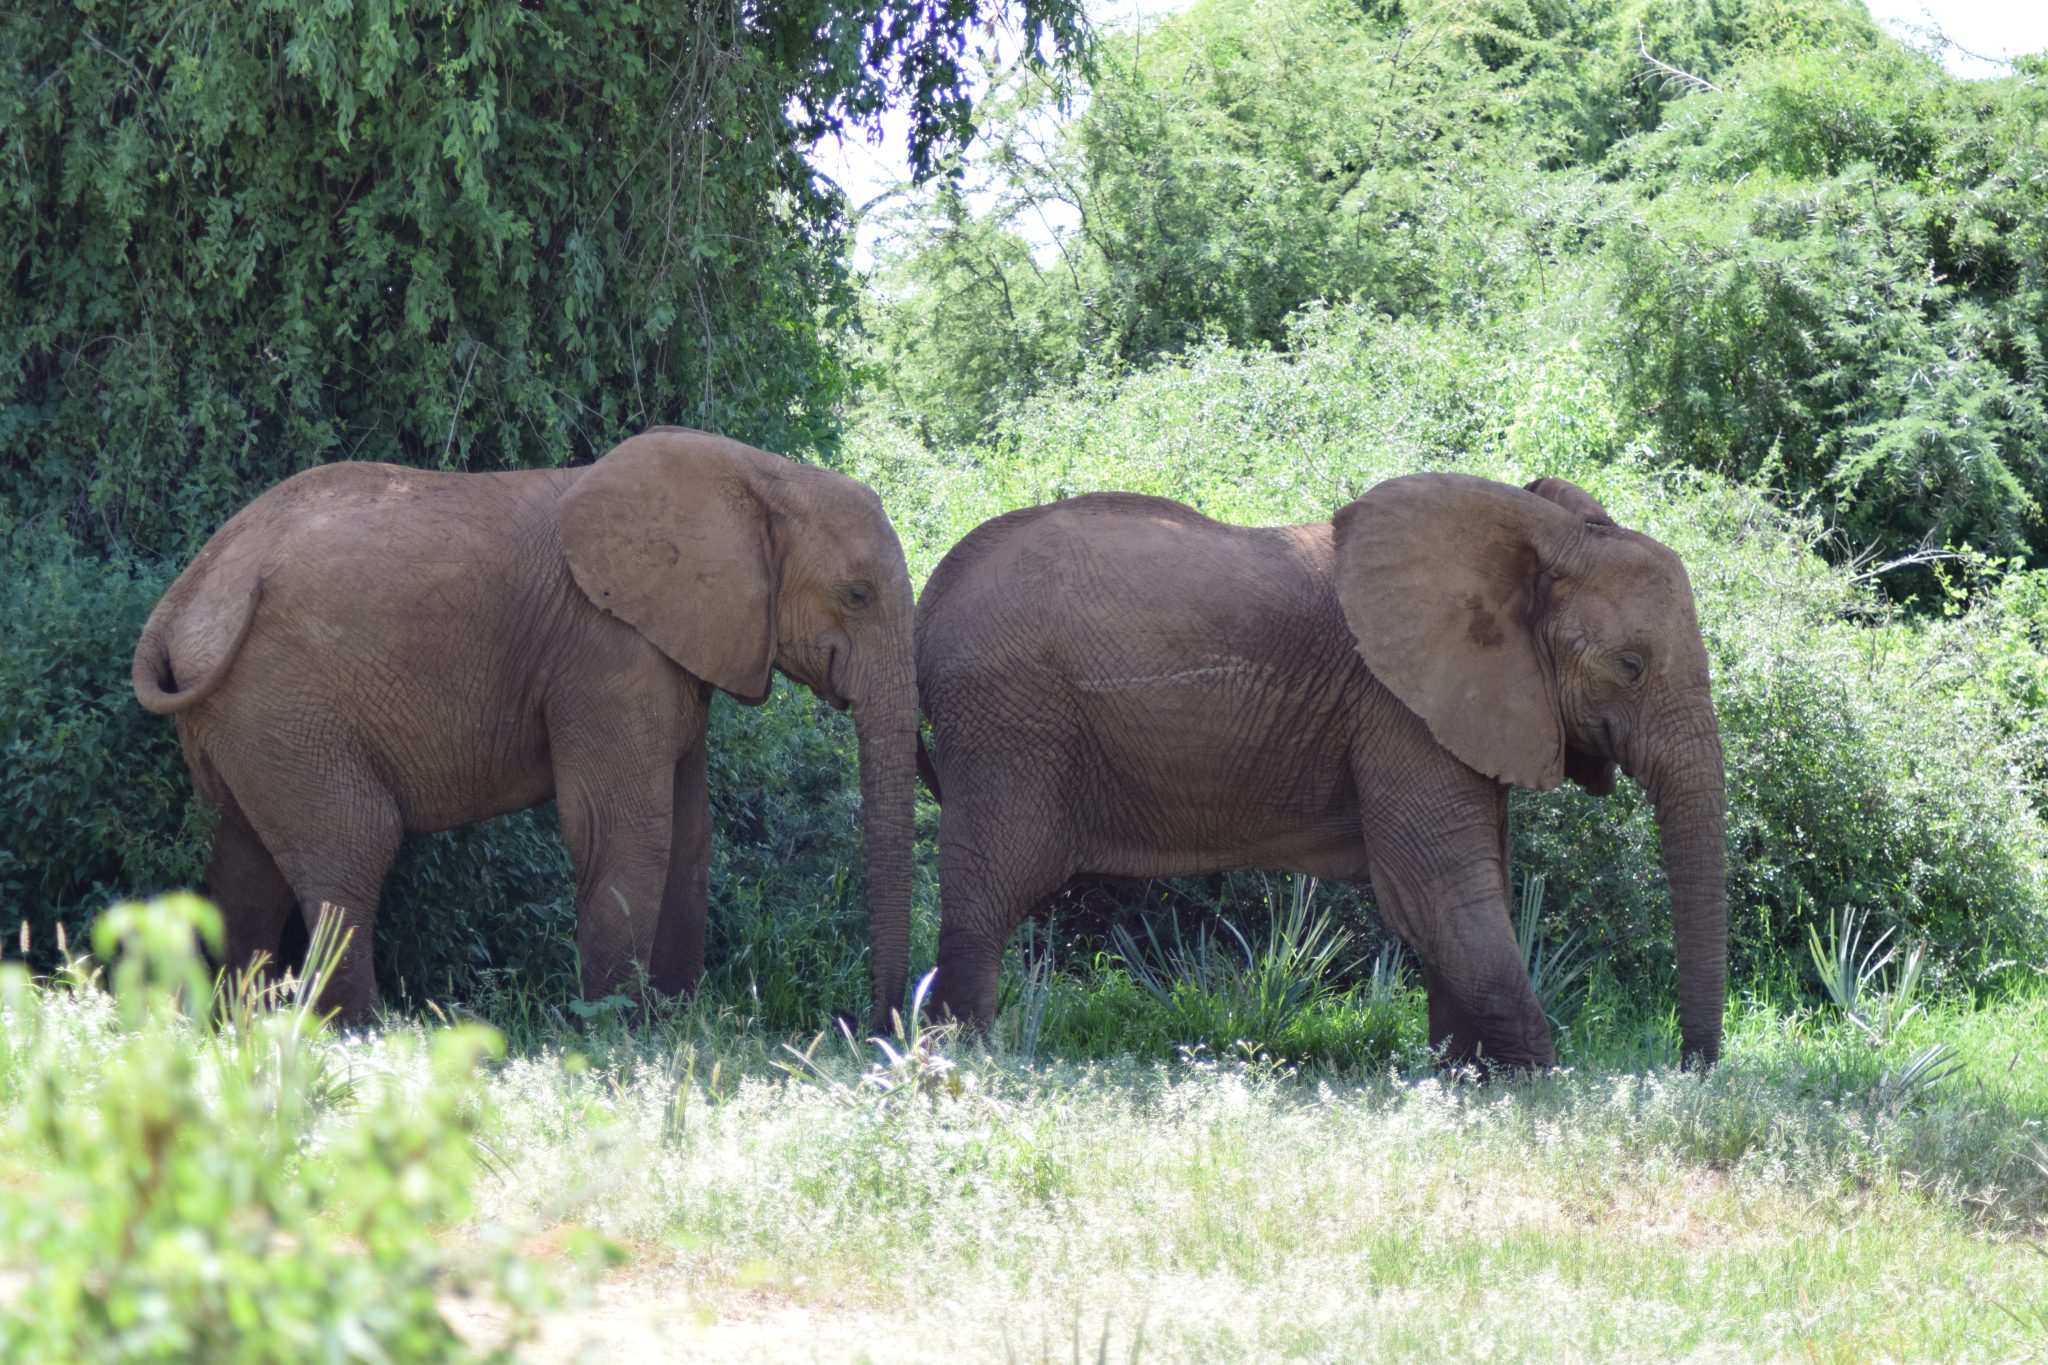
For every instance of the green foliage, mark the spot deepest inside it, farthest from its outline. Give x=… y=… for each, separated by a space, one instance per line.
x=1839 y=290
x=1807 y=255
x=1557 y=969
x=1853 y=977
x=94 y=798
x=251 y=237
x=1283 y=997
x=980 y=326
x=208 y=1194
x=1296 y=993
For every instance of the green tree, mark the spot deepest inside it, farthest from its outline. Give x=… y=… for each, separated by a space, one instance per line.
x=246 y=238
x=1840 y=288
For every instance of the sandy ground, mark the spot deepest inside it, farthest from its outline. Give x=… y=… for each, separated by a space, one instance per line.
x=629 y=1317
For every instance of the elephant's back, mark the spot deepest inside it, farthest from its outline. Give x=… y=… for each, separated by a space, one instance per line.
x=360 y=497
x=1145 y=664
x=1145 y=570
x=1122 y=602
x=1028 y=532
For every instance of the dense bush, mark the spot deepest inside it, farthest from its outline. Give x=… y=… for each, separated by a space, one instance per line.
x=94 y=799
x=247 y=238
x=1840 y=292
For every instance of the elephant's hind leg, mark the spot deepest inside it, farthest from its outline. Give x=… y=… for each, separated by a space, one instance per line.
x=255 y=900
x=335 y=848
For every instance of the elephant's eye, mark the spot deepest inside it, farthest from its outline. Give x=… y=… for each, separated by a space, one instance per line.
x=1630 y=666
x=856 y=596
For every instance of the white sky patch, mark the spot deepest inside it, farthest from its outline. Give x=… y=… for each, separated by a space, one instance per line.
x=1983 y=35
x=869 y=171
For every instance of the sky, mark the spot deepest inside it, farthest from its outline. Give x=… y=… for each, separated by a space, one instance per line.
x=1984 y=35
x=1996 y=29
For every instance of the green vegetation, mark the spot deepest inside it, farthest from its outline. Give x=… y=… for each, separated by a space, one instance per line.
x=1799 y=253
x=210 y=1175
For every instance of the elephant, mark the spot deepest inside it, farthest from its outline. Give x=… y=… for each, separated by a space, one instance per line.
x=368 y=651
x=1119 y=686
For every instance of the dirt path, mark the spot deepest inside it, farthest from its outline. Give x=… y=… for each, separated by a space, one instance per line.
x=633 y=1317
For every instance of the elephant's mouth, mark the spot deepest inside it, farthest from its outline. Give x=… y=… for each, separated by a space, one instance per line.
x=828 y=688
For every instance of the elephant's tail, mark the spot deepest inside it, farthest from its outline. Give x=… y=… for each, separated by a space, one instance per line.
x=157 y=686
x=926 y=771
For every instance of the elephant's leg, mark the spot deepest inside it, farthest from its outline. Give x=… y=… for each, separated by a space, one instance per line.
x=1438 y=866
x=1452 y=1034
x=1451 y=1031
x=996 y=866
x=255 y=900
x=679 y=938
x=616 y=823
x=335 y=846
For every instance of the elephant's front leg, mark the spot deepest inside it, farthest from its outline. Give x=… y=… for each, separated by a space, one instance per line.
x=1437 y=851
x=679 y=938
x=616 y=823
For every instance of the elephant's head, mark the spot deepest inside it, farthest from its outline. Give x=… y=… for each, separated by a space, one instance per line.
x=735 y=562
x=1540 y=641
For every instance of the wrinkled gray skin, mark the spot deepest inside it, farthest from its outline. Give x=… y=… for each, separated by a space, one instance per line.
x=1119 y=686
x=369 y=651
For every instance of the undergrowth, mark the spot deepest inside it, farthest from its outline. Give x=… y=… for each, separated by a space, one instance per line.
x=197 y=1169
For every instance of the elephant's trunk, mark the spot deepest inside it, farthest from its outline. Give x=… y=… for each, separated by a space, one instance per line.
x=1689 y=790
x=885 y=722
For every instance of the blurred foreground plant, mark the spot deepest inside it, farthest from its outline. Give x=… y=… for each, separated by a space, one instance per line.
x=207 y=1185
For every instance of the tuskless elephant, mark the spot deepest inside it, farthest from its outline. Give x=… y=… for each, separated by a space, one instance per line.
x=1120 y=686
x=368 y=651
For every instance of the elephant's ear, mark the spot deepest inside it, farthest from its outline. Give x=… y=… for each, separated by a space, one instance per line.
x=1439 y=576
x=1573 y=499
x=1593 y=773
x=667 y=533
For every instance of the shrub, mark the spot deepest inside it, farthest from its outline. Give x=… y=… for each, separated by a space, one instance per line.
x=230 y=1194
x=474 y=234
x=94 y=798
x=1836 y=292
